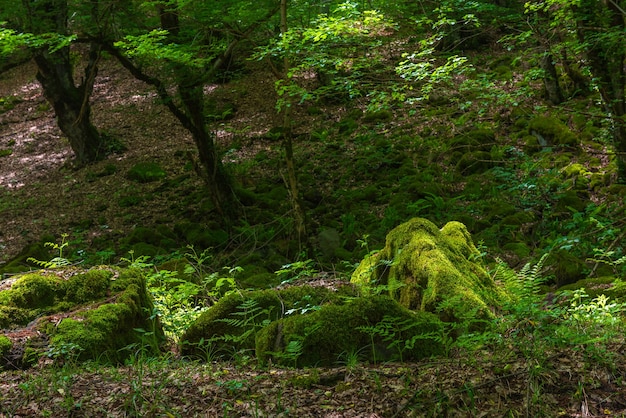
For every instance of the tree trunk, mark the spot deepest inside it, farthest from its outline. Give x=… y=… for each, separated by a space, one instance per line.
x=554 y=93
x=71 y=103
x=292 y=178
x=55 y=73
x=212 y=171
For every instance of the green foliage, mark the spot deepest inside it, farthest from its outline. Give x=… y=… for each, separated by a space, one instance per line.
x=58 y=261
x=5 y=345
x=333 y=47
x=297 y=270
x=154 y=45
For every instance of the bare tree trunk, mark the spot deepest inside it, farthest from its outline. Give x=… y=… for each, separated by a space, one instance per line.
x=292 y=178
x=212 y=171
x=55 y=73
x=550 y=79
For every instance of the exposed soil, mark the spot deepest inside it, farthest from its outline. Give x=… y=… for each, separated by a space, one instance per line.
x=40 y=192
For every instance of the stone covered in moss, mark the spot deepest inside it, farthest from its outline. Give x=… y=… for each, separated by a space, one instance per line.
x=609 y=286
x=376 y=328
x=20 y=263
x=432 y=270
x=550 y=131
x=94 y=312
x=232 y=323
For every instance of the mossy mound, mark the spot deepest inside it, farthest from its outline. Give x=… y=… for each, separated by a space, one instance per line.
x=374 y=328
x=432 y=270
x=231 y=324
x=20 y=263
x=550 y=131
x=609 y=286
x=146 y=172
x=85 y=314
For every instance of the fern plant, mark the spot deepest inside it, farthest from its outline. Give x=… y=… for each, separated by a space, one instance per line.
x=524 y=285
x=58 y=261
x=249 y=318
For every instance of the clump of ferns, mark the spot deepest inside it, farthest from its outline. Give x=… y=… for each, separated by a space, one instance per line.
x=527 y=307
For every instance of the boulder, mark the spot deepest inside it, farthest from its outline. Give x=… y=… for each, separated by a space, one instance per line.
x=372 y=328
x=232 y=323
x=433 y=270
x=65 y=313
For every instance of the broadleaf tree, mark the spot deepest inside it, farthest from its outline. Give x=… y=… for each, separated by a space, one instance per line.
x=183 y=50
x=44 y=28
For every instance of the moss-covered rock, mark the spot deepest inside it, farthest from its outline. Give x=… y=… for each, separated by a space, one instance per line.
x=432 y=270
x=475 y=162
x=5 y=345
x=609 y=286
x=550 y=131
x=567 y=267
x=20 y=263
x=90 y=314
x=375 y=327
x=232 y=323
x=580 y=177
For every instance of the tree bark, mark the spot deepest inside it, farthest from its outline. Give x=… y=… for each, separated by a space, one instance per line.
x=212 y=171
x=70 y=102
x=55 y=73
x=292 y=177
x=550 y=79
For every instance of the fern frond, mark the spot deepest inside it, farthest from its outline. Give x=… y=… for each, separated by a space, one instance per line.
x=54 y=263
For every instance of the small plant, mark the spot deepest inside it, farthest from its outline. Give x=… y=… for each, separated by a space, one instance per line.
x=58 y=261
x=297 y=270
x=608 y=257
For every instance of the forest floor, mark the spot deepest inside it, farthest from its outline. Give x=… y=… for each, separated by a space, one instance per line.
x=563 y=384
x=43 y=194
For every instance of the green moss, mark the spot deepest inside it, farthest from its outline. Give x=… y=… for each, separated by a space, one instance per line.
x=475 y=162
x=551 y=131
x=200 y=236
x=427 y=269
x=35 y=291
x=231 y=324
x=377 y=116
x=88 y=286
x=106 y=330
x=20 y=262
x=146 y=172
x=569 y=200
x=335 y=330
x=519 y=250
x=5 y=345
x=567 y=267
x=99 y=329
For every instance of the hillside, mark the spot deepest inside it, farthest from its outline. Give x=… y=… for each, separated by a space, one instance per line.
x=525 y=177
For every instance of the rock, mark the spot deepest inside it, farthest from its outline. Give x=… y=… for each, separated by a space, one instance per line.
x=75 y=313
x=375 y=328
x=232 y=323
x=432 y=270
